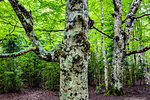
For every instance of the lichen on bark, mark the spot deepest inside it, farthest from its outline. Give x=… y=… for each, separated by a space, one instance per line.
x=74 y=60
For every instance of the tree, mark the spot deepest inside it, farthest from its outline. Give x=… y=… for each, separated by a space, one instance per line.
x=73 y=54
x=103 y=48
x=120 y=40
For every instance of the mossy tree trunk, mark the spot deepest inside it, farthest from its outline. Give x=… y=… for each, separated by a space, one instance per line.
x=118 y=54
x=75 y=52
x=120 y=41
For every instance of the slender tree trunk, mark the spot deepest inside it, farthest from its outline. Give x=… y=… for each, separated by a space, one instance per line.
x=97 y=72
x=134 y=57
x=133 y=66
x=75 y=52
x=103 y=48
x=133 y=70
x=141 y=56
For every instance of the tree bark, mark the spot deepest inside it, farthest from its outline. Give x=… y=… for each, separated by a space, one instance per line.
x=118 y=54
x=75 y=52
x=129 y=24
x=120 y=40
x=103 y=48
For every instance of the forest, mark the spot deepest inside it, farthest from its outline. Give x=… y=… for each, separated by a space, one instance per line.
x=74 y=49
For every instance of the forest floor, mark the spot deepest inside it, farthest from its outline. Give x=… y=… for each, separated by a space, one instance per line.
x=133 y=93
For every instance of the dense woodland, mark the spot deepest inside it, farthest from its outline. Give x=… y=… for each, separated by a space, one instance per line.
x=72 y=45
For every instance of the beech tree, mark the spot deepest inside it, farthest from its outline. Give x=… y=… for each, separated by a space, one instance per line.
x=121 y=38
x=120 y=41
x=73 y=54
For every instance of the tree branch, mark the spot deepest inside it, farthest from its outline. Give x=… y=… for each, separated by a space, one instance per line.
x=26 y=23
x=132 y=11
x=10 y=24
x=125 y=19
x=3 y=39
x=138 y=51
x=103 y=32
x=18 y=53
x=134 y=17
x=26 y=20
x=49 y=30
x=123 y=11
x=142 y=16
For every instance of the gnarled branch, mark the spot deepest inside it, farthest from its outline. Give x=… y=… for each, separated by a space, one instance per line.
x=138 y=51
x=26 y=20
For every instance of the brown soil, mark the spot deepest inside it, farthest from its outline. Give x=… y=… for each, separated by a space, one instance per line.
x=133 y=93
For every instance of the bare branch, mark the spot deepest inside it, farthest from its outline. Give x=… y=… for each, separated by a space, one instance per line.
x=138 y=51
x=26 y=13
x=24 y=22
x=124 y=11
x=11 y=24
x=6 y=36
x=103 y=32
x=18 y=53
x=142 y=16
x=132 y=11
x=13 y=29
x=51 y=40
x=133 y=17
x=49 y=30
x=125 y=19
x=9 y=33
x=3 y=39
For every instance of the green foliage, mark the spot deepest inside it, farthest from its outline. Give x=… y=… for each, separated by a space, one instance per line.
x=32 y=71
x=93 y=69
x=99 y=87
x=111 y=91
x=50 y=76
x=108 y=92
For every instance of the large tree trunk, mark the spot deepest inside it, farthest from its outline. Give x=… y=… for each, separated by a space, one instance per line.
x=103 y=48
x=75 y=52
x=118 y=54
